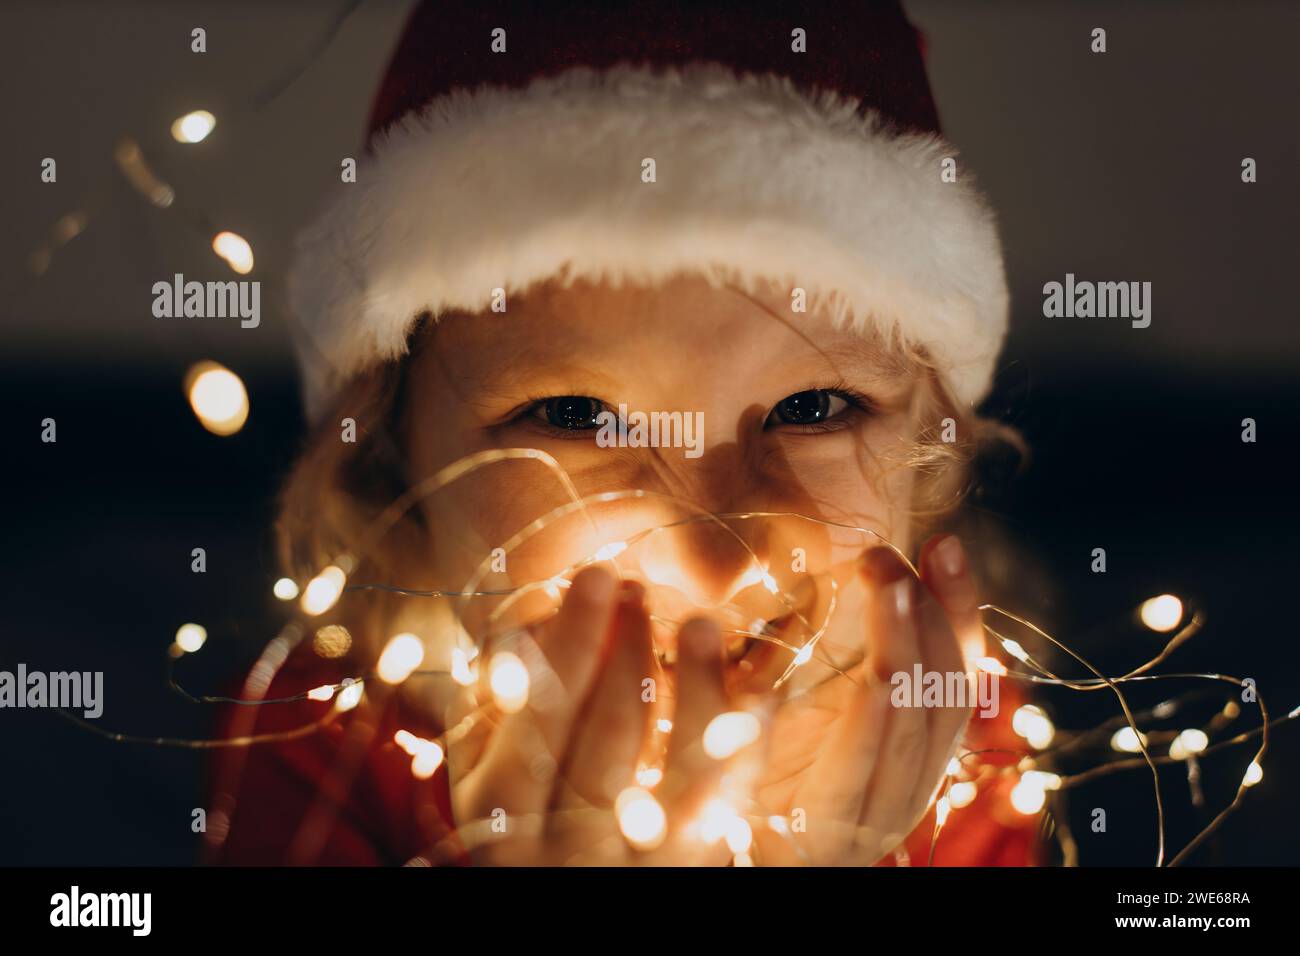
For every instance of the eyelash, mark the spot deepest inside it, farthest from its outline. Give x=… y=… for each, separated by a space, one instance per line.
x=854 y=401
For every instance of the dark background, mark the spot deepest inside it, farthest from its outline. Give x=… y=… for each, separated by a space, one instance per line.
x=1123 y=166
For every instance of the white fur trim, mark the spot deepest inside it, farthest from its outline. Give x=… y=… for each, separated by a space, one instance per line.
x=756 y=180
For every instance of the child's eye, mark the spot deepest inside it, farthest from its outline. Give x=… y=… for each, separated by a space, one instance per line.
x=815 y=407
x=570 y=412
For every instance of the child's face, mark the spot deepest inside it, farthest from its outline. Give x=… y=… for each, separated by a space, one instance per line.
x=797 y=417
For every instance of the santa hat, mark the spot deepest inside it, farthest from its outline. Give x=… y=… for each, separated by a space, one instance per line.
x=792 y=142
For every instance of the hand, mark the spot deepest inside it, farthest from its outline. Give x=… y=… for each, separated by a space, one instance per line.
x=556 y=766
x=862 y=771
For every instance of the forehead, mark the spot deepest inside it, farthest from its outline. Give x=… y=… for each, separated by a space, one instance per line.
x=607 y=331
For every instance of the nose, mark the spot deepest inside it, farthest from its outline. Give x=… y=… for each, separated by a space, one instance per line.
x=707 y=558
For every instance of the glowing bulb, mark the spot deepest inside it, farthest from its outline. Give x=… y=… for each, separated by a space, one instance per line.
x=714 y=821
x=235 y=249
x=190 y=637
x=401 y=656
x=218 y=398
x=1188 y=743
x=610 y=551
x=407 y=741
x=649 y=777
x=349 y=696
x=426 y=760
x=990 y=665
x=1041 y=779
x=739 y=835
x=1254 y=774
x=324 y=590
x=1027 y=797
x=461 y=672
x=1015 y=650
x=324 y=692
x=1125 y=740
x=193 y=127
x=730 y=732
x=664 y=725
x=954 y=767
x=508 y=678
x=285 y=589
x=1031 y=723
x=804 y=656
x=961 y=794
x=641 y=819
x=1161 y=613
x=941 y=810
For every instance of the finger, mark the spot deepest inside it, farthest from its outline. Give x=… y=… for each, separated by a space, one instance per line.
x=601 y=757
x=690 y=774
x=946 y=572
x=895 y=649
x=522 y=756
x=940 y=654
x=570 y=648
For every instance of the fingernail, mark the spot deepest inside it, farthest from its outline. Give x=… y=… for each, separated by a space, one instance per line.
x=631 y=593
x=951 y=556
x=700 y=638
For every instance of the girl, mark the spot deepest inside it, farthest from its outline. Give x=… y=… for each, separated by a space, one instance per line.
x=632 y=654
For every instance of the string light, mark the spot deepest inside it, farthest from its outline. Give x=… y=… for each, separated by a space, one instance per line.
x=1027 y=797
x=1030 y=722
x=218 y=397
x=727 y=734
x=649 y=777
x=1161 y=613
x=285 y=589
x=1189 y=743
x=609 y=551
x=941 y=810
x=961 y=794
x=401 y=656
x=349 y=697
x=461 y=672
x=641 y=818
x=739 y=835
x=324 y=590
x=235 y=250
x=508 y=678
x=426 y=755
x=990 y=665
x=730 y=732
x=193 y=127
x=191 y=637
x=1125 y=740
